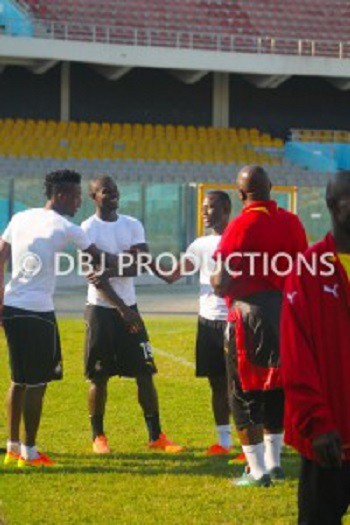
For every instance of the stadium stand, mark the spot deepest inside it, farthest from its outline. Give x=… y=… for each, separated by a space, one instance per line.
x=320 y=135
x=315 y=27
x=61 y=140
x=145 y=152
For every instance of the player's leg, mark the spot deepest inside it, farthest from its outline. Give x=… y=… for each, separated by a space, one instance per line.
x=16 y=391
x=32 y=410
x=15 y=399
x=100 y=365
x=38 y=354
x=221 y=410
x=148 y=399
x=273 y=431
x=323 y=494
x=210 y=363
x=97 y=399
x=248 y=414
x=35 y=356
x=135 y=359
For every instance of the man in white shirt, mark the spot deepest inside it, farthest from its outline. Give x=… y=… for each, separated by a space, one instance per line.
x=210 y=357
x=32 y=239
x=112 y=348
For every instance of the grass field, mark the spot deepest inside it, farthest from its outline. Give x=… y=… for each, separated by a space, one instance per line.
x=134 y=485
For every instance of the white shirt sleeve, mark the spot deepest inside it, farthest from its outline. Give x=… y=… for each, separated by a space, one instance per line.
x=193 y=253
x=7 y=235
x=138 y=234
x=78 y=237
x=88 y=229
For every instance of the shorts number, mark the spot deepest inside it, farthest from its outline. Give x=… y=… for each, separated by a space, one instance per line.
x=147 y=350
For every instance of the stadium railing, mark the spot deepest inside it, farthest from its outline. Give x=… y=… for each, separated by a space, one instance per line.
x=186 y=39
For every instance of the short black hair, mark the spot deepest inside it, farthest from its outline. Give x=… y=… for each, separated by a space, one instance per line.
x=102 y=179
x=224 y=199
x=57 y=180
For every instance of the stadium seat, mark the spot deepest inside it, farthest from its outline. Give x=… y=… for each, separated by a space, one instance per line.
x=204 y=24
x=62 y=141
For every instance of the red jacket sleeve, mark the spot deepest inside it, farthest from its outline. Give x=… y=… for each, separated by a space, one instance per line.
x=306 y=409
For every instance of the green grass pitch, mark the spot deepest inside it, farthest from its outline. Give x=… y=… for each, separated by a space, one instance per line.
x=134 y=485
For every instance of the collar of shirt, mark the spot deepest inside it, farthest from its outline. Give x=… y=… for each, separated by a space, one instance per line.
x=268 y=207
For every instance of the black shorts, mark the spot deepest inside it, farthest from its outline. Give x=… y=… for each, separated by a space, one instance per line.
x=210 y=356
x=34 y=346
x=255 y=407
x=111 y=350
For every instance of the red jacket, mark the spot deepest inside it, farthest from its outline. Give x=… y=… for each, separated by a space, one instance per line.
x=265 y=229
x=315 y=351
x=262 y=228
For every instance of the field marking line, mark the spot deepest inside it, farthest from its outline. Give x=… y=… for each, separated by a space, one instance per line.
x=175 y=358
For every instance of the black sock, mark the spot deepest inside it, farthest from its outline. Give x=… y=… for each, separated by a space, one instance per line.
x=153 y=426
x=97 y=425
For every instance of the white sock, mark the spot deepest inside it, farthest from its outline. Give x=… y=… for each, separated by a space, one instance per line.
x=29 y=452
x=224 y=435
x=273 y=446
x=255 y=458
x=13 y=446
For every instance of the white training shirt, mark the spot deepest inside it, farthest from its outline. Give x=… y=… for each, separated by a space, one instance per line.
x=202 y=250
x=35 y=236
x=114 y=237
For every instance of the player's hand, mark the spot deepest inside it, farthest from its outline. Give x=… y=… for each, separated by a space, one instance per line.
x=131 y=319
x=328 y=450
x=98 y=280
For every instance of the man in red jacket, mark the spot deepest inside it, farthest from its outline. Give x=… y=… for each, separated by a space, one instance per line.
x=316 y=367
x=256 y=252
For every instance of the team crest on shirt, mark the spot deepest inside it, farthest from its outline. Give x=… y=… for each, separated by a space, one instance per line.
x=30 y=265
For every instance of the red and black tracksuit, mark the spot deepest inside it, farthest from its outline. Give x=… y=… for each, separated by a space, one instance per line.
x=315 y=350
x=254 y=299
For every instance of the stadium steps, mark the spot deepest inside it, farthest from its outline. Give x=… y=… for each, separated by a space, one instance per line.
x=131 y=171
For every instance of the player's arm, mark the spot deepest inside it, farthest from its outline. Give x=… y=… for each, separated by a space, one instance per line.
x=130 y=317
x=117 y=265
x=129 y=262
x=174 y=274
x=220 y=279
x=5 y=253
x=185 y=266
x=232 y=242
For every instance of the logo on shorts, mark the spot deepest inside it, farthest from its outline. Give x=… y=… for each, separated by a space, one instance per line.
x=30 y=265
x=147 y=350
x=98 y=366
